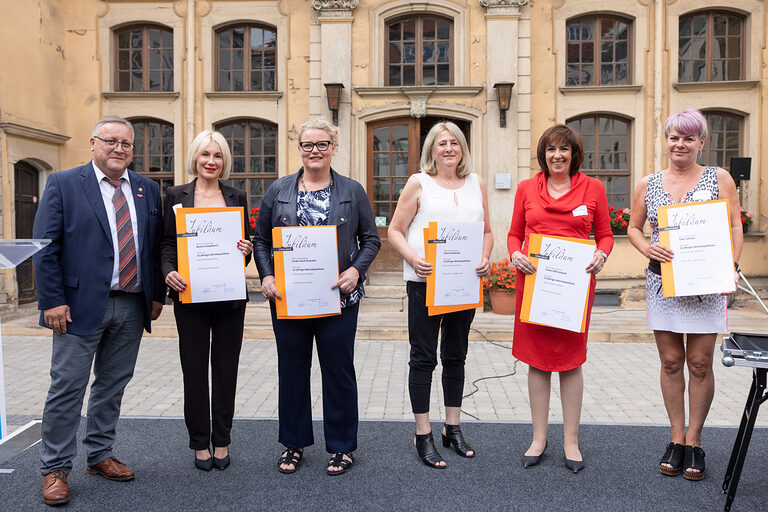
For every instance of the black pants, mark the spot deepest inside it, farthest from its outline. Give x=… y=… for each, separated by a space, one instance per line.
x=215 y=328
x=423 y=331
x=335 y=337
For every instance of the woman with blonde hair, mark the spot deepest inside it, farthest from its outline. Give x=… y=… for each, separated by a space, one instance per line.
x=446 y=189
x=206 y=328
x=317 y=195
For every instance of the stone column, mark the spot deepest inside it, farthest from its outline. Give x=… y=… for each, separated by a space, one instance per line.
x=335 y=66
x=506 y=149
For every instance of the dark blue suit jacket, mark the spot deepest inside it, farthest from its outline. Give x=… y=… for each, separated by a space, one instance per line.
x=76 y=268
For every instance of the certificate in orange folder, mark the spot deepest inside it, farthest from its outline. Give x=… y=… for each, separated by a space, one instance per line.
x=208 y=257
x=306 y=267
x=699 y=233
x=557 y=294
x=454 y=249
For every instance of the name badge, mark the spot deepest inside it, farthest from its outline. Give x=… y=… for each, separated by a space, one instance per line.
x=580 y=210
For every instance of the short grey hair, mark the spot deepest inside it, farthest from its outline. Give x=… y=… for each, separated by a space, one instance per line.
x=199 y=144
x=320 y=124
x=428 y=162
x=112 y=119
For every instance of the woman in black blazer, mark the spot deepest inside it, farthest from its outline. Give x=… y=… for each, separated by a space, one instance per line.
x=215 y=327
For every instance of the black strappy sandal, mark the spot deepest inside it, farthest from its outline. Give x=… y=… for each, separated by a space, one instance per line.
x=693 y=459
x=674 y=457
x=425 y=447
x=338 y=460
x=453 y=436
x=290 y=456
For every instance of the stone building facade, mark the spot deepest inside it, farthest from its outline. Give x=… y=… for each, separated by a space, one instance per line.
x=255 y=70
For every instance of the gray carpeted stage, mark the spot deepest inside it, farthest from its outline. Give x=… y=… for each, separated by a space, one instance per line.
x=621 y=473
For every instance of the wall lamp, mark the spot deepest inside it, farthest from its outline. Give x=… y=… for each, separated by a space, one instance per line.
x=333 y=91
x=504 y=95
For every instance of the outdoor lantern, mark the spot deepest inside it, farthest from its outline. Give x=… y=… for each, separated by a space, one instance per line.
x=333 y=92
x=504 y=95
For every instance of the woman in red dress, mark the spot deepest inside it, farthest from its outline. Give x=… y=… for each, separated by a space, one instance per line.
x=559 y=201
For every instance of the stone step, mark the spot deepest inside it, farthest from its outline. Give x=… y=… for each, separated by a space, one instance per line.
x=393 y=292
x=385 y=278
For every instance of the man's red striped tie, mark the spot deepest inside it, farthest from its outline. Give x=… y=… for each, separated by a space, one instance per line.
x=125 y=242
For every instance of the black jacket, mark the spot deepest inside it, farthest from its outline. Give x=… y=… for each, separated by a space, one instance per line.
x=185 y=194
x=356 y=234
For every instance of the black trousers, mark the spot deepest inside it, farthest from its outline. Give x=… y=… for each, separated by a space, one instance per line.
x=335 y=337
x=214 y=328
x=423 y=331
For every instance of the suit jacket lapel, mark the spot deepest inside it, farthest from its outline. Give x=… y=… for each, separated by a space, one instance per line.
x=139 y=192
x=93 y=194
x=187 y=194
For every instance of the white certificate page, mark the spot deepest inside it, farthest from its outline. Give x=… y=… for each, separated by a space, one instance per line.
x=459 y=251
x=561 y=284
x=310 y=262
x=216 y=265
x=700 y=237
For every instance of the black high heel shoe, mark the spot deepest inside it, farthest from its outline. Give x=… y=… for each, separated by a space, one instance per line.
x=533 y=460
x=425 y=447
x=204 y=465
x=453 y=436
x=574 y=465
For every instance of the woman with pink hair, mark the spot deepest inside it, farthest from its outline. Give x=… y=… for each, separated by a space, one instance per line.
x=685 y=328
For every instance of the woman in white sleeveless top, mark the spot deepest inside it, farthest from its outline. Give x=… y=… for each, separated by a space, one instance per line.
x=444 y=190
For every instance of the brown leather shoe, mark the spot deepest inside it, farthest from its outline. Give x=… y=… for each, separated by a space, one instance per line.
x=111 y=469
x=55 y=488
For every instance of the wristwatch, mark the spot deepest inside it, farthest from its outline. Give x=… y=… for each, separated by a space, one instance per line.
x=736 y=266
x=602 y=253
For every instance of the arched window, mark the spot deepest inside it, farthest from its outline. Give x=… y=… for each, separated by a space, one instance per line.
x=606 y=153
x=153 y=150
x=144 y=60
x=599 y=51
x=419 y=51
x=246 y=58
x=724 y=140
x=710 y=47
x=254 y=156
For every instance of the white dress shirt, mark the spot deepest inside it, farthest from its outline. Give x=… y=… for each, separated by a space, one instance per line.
x=107 y=191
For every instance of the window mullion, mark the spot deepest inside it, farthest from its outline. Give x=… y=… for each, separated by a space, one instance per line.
x=247 y=58
x=145 y=59
x=597 y=51
x=419 y=76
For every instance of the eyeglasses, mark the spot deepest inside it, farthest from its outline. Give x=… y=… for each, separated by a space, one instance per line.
x=321 y=145
x=112 y=143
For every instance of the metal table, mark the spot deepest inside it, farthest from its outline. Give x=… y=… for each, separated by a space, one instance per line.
x=742 y=349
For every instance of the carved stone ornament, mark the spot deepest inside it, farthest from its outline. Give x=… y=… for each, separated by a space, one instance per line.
x=418 y=106
x=503 y=3
x=320 y=5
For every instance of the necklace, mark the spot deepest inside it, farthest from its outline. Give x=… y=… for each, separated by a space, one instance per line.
x=301 y=180
x=214 y=194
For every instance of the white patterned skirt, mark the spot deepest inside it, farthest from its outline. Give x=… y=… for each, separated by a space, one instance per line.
x=697 y=314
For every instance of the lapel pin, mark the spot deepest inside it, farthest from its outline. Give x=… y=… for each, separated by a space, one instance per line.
x=141 y=189
x=139 y=195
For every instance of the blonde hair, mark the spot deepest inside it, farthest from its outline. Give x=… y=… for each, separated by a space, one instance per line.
x=201 y=142
x=320 y=124
x=427 y=160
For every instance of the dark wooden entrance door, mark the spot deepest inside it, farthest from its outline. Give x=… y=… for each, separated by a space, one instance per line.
x=394 y=149
x=27 y=189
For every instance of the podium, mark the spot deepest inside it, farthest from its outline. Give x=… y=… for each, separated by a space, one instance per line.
x=13 y=252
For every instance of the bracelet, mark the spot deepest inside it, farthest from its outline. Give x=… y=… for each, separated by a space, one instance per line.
x=602 y=253
x=736 y=266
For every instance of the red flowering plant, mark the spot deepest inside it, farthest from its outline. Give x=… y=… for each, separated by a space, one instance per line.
x=253 y=217
x=501 y=276
x=746 y=218
x=619 y=217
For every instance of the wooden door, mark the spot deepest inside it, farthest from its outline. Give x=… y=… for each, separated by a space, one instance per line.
x=393 y=155
x=27 y=187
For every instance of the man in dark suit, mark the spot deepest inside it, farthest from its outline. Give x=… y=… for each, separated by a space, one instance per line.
x=98 y=284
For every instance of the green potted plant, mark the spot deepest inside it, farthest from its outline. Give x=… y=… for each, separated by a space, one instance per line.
x=500 y=283
x=619 y=219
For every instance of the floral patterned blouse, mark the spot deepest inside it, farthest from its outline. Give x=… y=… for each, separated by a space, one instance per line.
x=312 y=209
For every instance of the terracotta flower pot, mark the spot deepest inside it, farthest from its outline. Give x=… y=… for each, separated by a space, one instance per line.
x=502 y=303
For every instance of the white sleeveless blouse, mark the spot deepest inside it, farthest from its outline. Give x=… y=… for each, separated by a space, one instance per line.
x=441 y=204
